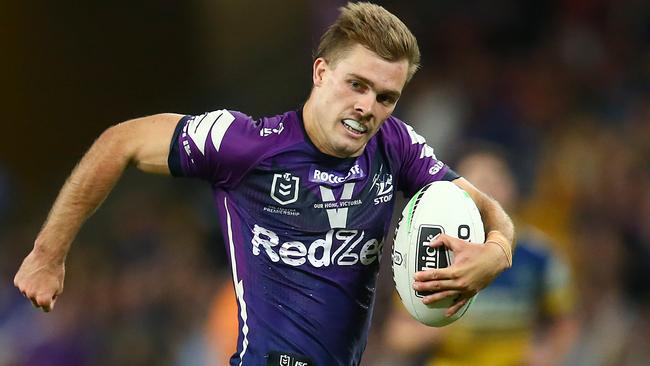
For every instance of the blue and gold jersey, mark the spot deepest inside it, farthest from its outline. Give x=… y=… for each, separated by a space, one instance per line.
x=497 y=329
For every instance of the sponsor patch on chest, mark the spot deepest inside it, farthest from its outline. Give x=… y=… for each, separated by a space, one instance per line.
x=322 y=176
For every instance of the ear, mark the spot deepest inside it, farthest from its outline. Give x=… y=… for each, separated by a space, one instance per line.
x=319 y=68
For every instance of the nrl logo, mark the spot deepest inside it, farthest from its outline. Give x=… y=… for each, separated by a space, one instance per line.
x=284 y=189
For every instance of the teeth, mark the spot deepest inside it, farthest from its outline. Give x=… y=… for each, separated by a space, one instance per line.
x=354 y=125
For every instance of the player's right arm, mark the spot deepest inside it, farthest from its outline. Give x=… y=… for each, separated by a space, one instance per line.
x=142 y=142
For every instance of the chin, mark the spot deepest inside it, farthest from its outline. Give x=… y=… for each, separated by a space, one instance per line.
x=350 y=151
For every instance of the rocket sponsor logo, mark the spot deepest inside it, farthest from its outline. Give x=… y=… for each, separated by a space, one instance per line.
x=317 y=175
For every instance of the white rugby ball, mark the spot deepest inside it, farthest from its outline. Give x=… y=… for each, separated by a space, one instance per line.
x=439 y=207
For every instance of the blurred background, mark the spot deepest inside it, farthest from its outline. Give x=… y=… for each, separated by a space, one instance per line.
x=562 y=88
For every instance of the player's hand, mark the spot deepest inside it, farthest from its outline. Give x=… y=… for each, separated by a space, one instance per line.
x=40 y=279
x=474 y=267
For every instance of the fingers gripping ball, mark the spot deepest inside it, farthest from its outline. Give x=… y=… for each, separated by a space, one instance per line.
x=438 y=208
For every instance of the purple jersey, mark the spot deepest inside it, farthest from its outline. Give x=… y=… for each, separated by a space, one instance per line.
x=304 y=230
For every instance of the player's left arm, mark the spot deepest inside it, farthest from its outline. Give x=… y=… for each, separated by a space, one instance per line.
x=498 y=225
x=475 y=266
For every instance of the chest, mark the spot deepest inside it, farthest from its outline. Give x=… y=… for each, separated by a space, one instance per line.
x=299 y=191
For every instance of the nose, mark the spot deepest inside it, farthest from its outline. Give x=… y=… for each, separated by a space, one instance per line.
x=365 y=103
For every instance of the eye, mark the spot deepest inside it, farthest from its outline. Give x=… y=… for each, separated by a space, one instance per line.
x=385 y=99
x=356 y=85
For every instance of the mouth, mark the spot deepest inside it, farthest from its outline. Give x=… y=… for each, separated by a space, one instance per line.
x=354 y=126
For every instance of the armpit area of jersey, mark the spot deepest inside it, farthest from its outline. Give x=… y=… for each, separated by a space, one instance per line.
x=173 y=160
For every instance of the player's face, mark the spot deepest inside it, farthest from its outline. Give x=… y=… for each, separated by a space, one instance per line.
x=352 y=99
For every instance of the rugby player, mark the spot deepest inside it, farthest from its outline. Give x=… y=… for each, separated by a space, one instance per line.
x=304 y=198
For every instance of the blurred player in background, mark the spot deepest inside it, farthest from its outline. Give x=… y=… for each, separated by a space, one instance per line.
x=305 y=198
x=523 y=318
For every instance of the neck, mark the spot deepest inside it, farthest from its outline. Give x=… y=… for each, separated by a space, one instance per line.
x=310 y=120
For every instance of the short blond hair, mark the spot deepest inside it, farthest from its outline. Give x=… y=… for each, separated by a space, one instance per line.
x=373 y=27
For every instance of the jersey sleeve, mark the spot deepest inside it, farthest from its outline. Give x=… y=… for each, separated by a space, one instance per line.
x=418 y=164
x=219 y=146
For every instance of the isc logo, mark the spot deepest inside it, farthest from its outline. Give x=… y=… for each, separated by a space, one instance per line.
x=428 y=257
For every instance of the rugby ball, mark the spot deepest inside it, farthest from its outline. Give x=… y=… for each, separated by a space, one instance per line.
x=439 y=207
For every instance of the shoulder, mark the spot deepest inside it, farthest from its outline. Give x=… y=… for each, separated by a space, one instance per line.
x=225 y=118
x=397 y=133
x=223 y=145
x=277 y=125
x=231 y=127
x=401 y=140
x=394 y=127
